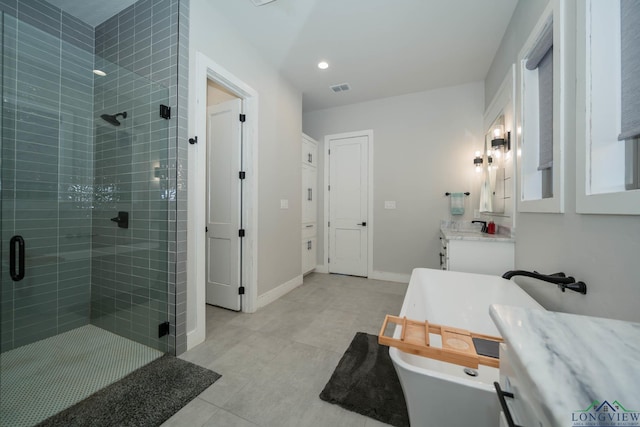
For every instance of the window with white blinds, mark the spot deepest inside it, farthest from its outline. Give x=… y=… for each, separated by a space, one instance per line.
x=630 y=68
x=541 y=60
x=608 y=107
x=541 y=118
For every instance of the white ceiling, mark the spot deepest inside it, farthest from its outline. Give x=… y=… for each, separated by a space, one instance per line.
x=380 y=47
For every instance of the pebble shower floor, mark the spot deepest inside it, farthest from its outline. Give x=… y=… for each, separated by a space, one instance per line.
x=41 y=379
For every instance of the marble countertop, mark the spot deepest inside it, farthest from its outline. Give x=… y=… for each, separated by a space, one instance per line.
x=450 y=234
x=575 y=361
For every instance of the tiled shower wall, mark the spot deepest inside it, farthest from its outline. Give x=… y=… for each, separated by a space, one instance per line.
x=130 y=266
x=47 y=169
x=130 y=284
x=145 y=40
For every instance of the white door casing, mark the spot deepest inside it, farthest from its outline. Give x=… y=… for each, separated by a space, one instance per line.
x=206 y=69
x=223 y=204
x=349 y=205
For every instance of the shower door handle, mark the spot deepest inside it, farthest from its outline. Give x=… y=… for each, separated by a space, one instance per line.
x=18 y=275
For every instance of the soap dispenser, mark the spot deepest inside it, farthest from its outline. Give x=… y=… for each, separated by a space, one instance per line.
x=491 y=227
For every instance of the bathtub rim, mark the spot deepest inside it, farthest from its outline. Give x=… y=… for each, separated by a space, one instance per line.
x=475 y=382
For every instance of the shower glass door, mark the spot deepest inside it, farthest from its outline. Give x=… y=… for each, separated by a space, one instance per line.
x=66 y=175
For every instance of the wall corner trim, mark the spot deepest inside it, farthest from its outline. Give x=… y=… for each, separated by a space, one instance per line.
x=195 y=337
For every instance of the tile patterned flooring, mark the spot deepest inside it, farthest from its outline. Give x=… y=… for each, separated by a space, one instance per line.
x=45 y=377
x=275 y=362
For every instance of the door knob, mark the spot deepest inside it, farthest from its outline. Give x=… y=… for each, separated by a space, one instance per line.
x=364 y=224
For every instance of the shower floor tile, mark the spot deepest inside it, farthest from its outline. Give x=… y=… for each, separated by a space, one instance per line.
x=41 y=379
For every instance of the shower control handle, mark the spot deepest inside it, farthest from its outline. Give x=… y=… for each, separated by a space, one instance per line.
x=122 y=219
x=18 y=275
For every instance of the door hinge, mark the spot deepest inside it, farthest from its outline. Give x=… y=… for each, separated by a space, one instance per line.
x=165 y=111
x=243 y=118
x=241 y=290
x=329 y=152
x=328 y=260
x=328 y=188
x=329 y=224
x=206 y=229
x=163 y=329
x=242 y=175
x=241 y=232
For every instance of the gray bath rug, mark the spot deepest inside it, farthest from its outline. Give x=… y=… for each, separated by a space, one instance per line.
x=366 y=382
x=146 y=397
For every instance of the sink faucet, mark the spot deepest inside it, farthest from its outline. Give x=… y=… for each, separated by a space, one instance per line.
x=484 y=225
x=559 y=279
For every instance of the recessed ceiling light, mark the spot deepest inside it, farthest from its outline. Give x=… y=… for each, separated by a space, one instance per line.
x=323 y=65
x=261 y=2
x=99 y=73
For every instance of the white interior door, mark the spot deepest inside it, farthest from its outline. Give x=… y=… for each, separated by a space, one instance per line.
x=348 y=205
x=223 y=204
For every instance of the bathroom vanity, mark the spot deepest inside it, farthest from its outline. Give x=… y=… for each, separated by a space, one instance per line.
x=471 y=251
x=559 y=369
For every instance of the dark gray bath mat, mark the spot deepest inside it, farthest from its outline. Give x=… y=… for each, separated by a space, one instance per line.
x=366 y=382
x=146 y=397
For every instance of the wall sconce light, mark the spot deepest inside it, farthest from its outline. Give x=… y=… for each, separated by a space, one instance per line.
x=477 y=162
x=499 y=139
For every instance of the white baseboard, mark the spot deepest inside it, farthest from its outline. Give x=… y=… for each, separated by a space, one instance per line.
x=277 y=292
x=390 y=277
x=321 y=269
x=195 y=337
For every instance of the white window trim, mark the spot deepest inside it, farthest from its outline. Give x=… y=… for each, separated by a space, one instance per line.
x=555 y=204
x=618 y=203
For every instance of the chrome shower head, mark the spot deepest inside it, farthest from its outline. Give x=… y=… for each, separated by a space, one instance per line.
x=113 y=119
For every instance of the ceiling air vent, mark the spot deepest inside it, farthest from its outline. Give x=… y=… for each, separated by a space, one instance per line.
x=343 y=87
x=261 y=2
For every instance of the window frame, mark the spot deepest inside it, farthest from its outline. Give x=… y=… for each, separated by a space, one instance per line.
x=623 y=202
x=556 y=10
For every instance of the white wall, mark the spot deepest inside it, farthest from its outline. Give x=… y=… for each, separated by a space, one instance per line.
x=601 y=250
x=424 y=146
x=279 y=136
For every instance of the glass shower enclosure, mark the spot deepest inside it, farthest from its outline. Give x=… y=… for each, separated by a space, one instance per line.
x=84 y=200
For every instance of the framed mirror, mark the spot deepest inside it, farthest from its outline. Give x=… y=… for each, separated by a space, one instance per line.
x=496 y=149
x=500 y=149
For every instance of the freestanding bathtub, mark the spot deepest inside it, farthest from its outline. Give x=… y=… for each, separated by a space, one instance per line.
x=441 y=394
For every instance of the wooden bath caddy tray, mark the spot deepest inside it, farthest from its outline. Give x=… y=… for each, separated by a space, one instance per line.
x=457 y=344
